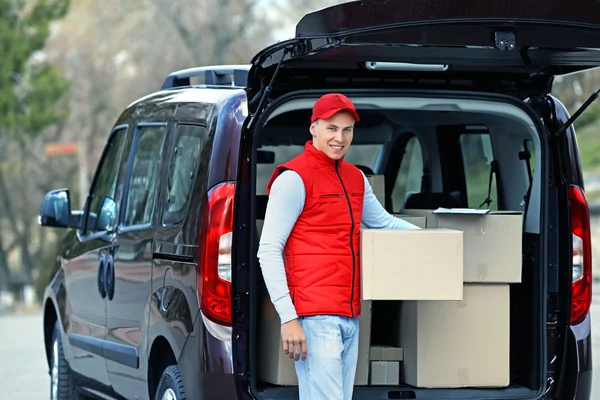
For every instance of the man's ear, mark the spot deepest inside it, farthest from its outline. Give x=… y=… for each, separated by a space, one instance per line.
x=313 y=129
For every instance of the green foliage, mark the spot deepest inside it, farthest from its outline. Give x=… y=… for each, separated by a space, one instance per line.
x=588 y=139
x=30 y=88
x=589 y=116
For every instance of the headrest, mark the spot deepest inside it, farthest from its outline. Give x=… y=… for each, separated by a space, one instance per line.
x=366 y=170
x=431 y=201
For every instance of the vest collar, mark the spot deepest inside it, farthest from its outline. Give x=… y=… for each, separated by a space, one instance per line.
x=318 y=156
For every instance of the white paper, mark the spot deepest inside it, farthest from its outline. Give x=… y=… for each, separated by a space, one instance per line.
x=468 y=211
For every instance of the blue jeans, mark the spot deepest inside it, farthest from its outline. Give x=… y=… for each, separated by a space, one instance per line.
x=330 y=366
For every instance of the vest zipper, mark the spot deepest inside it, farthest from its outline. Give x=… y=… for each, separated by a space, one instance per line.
x=351 y=237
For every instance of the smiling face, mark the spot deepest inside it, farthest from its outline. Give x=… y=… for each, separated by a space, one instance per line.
x=333 y=135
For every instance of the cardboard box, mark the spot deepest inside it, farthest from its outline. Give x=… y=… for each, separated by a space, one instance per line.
x=385 y=372
x=424 y=264
x=492 y=240
x=431 y=218
x=450 y=344
x=421 y=222
x=364 y=341
x=277 y=368
x=386 y=353
x=377 y=182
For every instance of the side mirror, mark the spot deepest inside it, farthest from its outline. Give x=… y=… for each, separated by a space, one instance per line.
x=107 y=217
x=56 y=209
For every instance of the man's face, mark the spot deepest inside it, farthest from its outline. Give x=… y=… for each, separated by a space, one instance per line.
x=333 y=136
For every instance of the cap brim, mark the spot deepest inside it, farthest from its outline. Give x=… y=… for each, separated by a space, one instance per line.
x=330 y=113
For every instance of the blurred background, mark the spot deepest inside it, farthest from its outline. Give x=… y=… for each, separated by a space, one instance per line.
x=67 y=70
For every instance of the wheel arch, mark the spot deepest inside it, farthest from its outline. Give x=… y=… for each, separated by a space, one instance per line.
x=160 y=357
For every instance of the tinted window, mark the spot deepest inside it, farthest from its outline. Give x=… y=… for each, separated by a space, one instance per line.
x=477 y=156
x=410 y=174
x=143 y=184
x=108 y=181
x=185 y=157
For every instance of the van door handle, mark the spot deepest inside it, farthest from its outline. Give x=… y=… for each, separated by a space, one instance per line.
x=109 y=277
x=102 y=276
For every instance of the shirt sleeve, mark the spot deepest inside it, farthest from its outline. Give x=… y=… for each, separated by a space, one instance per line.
x=375 y=215
x=285 y=204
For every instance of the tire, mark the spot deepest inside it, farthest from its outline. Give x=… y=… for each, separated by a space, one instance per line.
x=62 y=386
x=170 y=386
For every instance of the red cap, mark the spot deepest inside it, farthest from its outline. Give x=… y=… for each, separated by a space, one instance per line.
x=331 y=103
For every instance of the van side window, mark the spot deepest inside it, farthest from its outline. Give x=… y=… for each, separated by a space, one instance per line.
x=477 y=156
x=108 y=181
x=143 y=184
x=410 y=174
x=185 y=157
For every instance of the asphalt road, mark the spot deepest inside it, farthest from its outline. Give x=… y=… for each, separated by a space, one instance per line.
x=24 y=373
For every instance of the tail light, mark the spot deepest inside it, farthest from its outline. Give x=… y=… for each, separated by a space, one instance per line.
x=214 y=258
x=581 y=286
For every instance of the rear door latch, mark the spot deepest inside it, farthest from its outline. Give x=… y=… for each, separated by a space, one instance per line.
x=505 y=40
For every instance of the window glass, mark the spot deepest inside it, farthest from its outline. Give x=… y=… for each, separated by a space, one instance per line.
x=185 y=157
x=143 y=183
x=358 y=154
x=410 y=174
x=477 y=157
x=108 y=183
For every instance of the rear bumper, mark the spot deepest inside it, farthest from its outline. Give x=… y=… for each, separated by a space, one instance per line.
x=576 y=380
x=583 y=336
x=206 y=364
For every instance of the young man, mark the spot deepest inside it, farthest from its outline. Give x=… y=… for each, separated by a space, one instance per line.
x=309 y=251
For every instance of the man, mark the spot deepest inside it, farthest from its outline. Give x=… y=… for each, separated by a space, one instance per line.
x=316 y=204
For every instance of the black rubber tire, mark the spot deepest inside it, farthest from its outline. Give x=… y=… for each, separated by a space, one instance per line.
x=171 y=379
x=66 y=389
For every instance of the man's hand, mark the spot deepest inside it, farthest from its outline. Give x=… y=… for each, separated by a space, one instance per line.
x=293 y=340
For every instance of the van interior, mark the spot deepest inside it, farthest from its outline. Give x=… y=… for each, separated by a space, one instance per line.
x=430 y=151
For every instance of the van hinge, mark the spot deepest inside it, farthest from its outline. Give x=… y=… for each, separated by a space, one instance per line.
x=531 y=70
x=505 y=40
x=267 y=90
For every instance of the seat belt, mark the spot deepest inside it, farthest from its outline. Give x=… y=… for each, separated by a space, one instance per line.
x=525 y=155
x=425 y=180
x=493 y=171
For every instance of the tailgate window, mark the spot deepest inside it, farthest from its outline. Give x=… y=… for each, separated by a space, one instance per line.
x=477 y=157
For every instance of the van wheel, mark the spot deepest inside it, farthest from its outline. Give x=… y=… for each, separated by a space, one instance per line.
x=61 y=380
x=170 y=386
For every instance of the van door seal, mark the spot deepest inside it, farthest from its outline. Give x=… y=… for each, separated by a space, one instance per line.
x=577 y=113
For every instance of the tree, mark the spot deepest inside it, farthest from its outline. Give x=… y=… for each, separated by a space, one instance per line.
x=30 y=94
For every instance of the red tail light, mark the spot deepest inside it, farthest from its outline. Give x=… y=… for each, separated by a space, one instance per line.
x=581 y=286
x=214 y=254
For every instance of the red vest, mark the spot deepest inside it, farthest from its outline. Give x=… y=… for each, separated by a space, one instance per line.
x=322 y=252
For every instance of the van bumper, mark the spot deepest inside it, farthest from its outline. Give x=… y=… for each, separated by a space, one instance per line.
x=576 y=380
x=206 y=366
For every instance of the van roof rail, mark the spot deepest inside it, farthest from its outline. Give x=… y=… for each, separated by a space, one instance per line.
x=218 y=75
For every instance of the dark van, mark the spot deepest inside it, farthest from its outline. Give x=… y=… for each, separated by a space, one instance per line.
x=158 y=293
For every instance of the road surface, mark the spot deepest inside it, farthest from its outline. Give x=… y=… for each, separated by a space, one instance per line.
x=24 y=373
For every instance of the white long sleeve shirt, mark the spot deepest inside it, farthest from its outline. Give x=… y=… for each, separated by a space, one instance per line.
x=286 y=202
